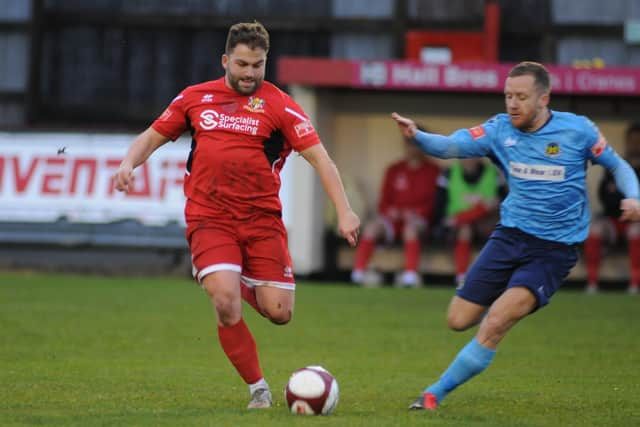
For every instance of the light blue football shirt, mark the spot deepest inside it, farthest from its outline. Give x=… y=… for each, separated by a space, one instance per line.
x=545 y=170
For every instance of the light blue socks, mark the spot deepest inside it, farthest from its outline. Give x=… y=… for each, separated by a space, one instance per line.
x=472 y=359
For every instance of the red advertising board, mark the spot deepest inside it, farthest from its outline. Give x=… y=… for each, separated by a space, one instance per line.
x=409 y=75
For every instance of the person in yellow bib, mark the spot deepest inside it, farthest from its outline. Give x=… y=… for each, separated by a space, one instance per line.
x=469 y=192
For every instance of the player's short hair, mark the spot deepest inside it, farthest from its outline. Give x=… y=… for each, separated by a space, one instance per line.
x=536 y=70
x=253 y=34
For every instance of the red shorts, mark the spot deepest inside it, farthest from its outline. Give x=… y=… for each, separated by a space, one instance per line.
x=257 y=249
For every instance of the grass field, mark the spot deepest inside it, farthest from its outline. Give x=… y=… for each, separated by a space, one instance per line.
x=90 y=351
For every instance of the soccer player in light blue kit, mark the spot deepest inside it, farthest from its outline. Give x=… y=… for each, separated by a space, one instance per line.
x=544 y=154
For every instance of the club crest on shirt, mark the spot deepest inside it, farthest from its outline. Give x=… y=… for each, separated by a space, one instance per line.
x=552 y=149
x=255 y=105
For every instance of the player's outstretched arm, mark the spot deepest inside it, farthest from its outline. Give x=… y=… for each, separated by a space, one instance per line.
x=444 y=147
x=139 y=151
x=348 y=221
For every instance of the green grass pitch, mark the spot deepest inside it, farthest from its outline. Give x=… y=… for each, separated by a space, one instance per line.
x=90 y=351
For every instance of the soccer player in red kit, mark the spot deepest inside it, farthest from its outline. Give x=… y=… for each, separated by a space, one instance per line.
x=404 y=211
x=242 y=131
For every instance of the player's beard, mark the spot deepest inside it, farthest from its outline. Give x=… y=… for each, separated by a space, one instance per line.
x=529 y=122
x=244 y=90
x=525 y=123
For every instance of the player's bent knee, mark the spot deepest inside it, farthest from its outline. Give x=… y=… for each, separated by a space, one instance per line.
x=459 y=323
x=278 y=317
x=227 y=315
x=228 y=309
x=283 y=320
x=278 y=312
x=276 y=304
x=463 y=314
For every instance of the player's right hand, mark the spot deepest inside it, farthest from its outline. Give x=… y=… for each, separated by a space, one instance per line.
x=123 y=178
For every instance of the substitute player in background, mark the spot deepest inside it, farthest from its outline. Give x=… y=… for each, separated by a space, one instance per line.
x=243 y=129
x=543 y=155
x=469 y=192
x=404 y=213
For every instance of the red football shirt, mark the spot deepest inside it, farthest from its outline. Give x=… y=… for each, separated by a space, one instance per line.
x=239 y=145
x=406 y=188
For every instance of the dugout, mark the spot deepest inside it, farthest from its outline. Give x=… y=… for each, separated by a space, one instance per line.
x=350 y=103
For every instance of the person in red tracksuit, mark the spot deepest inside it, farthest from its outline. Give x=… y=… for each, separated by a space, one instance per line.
x=609 y=227
x=243 y=128
x=404 y=212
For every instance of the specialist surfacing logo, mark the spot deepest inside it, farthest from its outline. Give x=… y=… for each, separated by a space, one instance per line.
x=210 y=119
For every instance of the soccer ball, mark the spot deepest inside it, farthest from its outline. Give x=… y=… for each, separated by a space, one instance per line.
x=312 y=391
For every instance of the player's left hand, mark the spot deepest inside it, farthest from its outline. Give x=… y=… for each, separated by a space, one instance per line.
x=349 y=226
x=630 y=210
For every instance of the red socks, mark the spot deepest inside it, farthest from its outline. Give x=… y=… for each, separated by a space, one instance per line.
x=240 y=347
x=593 y=256
x=462 y=256
x=411 y=255
x=363 y=254
x=634 y=260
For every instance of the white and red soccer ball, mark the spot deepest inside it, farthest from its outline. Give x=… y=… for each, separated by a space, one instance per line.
x=312 y=391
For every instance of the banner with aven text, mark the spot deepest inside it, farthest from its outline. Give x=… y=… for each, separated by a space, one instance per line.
x=48 y=176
